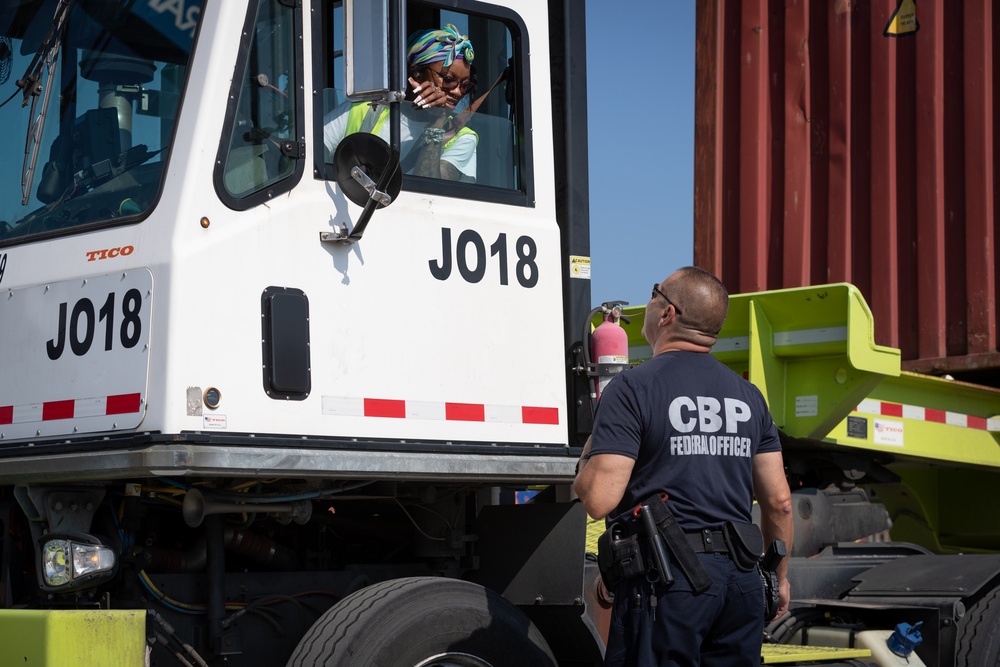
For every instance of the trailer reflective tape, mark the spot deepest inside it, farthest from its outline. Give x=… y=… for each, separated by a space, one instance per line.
x=505 y=414
x=381 y=407
x=345 y=406
x=918 y=413
x=810 y=336
x=57 y=410
x=785 y=339
x=123 y=404
x=465 y=412
x=425 y=410
x=77 y=408
x=535 y=415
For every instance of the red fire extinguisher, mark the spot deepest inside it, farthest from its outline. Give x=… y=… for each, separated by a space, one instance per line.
x=608 y=348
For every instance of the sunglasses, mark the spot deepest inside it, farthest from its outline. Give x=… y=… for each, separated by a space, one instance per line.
x=447 y=81
x=656 y=290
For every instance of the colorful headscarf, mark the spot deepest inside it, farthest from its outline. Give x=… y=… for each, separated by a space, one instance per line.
x=430 y=46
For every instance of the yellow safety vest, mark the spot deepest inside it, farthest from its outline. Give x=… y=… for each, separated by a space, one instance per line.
x=357 y=114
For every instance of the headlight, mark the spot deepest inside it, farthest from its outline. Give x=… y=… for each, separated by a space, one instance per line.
x=70 y=562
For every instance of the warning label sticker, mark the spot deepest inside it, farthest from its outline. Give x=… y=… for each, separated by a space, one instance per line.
x=903 y=21
x=579 y=267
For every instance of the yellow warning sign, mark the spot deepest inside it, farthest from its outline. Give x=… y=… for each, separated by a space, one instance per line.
x=579 y=267
x=904 y=20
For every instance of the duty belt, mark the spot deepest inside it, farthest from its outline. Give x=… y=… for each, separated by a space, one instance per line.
x=708 y=542
x=678 y=544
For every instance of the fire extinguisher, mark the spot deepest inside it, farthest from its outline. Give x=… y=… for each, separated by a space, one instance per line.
x=608 y=347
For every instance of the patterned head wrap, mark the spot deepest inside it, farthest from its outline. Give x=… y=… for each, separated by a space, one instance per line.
x=431 y=46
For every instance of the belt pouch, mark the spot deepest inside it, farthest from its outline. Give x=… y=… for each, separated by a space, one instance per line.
x=619 y=557
x=745 y=544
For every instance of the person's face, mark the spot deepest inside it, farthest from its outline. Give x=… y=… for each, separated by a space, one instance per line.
x=655 y=308
x=455 y=80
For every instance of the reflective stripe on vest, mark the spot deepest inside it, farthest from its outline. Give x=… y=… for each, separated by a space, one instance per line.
x=357 y=114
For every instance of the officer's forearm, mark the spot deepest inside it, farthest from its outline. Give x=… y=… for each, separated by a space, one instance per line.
x=600 y=482
x=776 y=524
x=584 y=486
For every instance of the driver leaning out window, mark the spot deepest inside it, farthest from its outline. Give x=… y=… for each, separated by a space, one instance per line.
x=434 y=139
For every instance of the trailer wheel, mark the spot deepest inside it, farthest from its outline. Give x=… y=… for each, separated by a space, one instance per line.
x=977 y=643
x=423 y=622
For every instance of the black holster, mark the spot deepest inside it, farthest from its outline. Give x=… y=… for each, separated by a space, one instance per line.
x=619 y=556
x=745 y=544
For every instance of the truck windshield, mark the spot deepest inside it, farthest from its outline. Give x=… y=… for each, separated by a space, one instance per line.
x=90 y=90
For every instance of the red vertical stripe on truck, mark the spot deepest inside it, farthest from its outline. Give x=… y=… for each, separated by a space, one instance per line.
x=57 y=410
x=7 y=414
x=381 y=407
x=976 y=422
x=892 y=409
x=465 y=412
x=936 y=416
x=533 y=415
x=123 y=404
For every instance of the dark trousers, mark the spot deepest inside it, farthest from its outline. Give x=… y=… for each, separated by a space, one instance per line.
x=722 y=627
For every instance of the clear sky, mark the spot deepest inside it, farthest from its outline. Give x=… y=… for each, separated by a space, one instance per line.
x=640 y=89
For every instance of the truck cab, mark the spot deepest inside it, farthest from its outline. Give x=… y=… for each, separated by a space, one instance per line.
x=247 y=366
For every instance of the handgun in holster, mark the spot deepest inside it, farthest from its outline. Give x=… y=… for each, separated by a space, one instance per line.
x=768 y=568
x=660 y=564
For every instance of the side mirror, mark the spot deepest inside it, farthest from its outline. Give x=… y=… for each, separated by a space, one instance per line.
x=363 y=162
x=368 y=173
x=373 y=53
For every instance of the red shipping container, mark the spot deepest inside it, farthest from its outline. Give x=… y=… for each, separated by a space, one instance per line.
x=828 y=149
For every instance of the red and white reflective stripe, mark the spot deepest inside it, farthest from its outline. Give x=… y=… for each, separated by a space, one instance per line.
x=886 y=409
x=78 y=408
x=438 y=410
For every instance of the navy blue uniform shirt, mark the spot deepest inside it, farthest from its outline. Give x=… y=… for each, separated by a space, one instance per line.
x=693 y=427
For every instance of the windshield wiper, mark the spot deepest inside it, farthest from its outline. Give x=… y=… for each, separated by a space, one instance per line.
x=47 y=56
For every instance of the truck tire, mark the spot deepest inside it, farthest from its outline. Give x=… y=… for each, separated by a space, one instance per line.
x=977 y=643
x=423 y=622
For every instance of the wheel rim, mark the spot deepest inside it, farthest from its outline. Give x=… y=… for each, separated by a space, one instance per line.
x=453 y=660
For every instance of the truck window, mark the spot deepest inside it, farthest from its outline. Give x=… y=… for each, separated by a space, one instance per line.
x=88 y=148
x=261 y=146
x=483 y=154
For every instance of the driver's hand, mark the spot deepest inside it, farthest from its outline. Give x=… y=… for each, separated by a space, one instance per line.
x=428 y=94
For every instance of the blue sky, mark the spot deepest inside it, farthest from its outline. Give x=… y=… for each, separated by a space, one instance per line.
x=640 y=89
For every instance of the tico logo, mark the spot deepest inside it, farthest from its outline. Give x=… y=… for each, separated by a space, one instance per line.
x=108 y=253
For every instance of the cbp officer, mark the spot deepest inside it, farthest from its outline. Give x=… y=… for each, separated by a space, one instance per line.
x=685 y=425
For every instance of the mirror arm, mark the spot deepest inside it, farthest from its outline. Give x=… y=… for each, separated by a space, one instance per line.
x=371 y=186
x=376 y=198
x=377 y=195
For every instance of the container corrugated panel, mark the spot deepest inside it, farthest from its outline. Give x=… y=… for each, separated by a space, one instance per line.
x=827 y=150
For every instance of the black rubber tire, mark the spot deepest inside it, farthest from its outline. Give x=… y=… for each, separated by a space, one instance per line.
x=977 y=643
x=403 y=622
